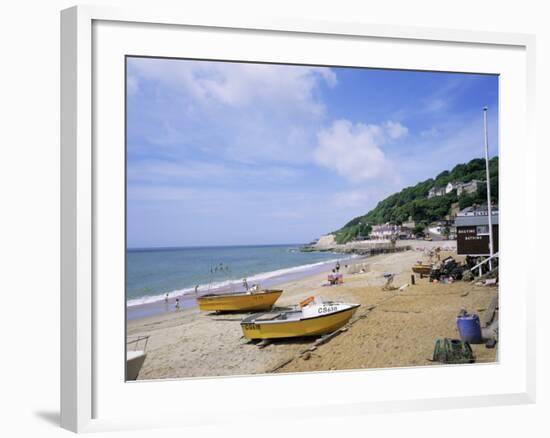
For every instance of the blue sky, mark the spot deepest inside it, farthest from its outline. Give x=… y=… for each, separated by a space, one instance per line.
x=223 y=153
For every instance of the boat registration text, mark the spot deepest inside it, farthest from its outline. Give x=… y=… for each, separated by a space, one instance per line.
x=326 y=309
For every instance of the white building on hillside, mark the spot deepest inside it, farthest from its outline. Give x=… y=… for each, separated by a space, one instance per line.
x=436 y=191
x=469 y=187
x=452 y=185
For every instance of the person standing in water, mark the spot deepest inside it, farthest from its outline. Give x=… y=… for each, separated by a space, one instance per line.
x=337 y=267
x=177 y=304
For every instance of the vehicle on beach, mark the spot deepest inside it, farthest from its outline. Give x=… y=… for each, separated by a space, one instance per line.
x=251 y=299
x=312 y=318
x=135 y=355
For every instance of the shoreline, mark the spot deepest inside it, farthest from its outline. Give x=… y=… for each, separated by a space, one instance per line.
x=157 y=305
x=390 y=329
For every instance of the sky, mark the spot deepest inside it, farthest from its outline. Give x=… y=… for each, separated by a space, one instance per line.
x=227 y=153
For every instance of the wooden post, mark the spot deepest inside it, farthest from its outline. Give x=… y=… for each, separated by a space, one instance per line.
x=412 y=279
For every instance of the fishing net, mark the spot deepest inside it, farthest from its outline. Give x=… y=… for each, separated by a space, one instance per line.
x=452 y=351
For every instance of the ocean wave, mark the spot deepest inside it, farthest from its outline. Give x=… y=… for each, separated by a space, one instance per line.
x=227 y=284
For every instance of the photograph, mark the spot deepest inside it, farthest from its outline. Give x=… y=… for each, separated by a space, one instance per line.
x=290 y=218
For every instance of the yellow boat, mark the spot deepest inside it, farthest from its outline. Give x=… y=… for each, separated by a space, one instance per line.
x=422 y=269
x=239 y=301
x=314 y=319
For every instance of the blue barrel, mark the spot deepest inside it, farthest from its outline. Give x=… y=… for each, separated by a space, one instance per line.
x=469 y=328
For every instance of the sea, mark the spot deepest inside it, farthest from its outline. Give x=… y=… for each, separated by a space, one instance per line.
x=155 y=277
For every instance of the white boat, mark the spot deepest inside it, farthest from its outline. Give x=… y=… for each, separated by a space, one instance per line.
x=135 y=356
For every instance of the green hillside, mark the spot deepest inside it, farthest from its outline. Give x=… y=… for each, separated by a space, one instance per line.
x=413 y=201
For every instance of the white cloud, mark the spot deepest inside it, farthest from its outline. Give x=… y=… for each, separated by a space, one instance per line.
x=239 y=84
x=353 y=151
x=249 y=112
x=395 y=130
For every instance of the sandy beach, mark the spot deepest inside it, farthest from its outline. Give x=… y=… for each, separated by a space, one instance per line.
x=390 y=329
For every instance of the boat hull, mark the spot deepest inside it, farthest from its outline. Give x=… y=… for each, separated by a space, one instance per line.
x=422 y=269
x=315 y=326
x=239 y=302
x=134 y=361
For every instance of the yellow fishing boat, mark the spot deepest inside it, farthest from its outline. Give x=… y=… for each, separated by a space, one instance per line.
x=262 y=299
x=314 y=319
x=422 y=269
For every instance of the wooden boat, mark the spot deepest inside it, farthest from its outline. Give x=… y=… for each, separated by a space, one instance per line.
x=135 y=356
x=314 y=319
x=422 y=269
x=261 y=299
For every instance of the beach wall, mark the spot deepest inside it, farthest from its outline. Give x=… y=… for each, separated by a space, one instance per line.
x=373 y=247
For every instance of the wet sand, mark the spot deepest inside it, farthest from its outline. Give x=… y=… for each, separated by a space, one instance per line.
x=390 y=329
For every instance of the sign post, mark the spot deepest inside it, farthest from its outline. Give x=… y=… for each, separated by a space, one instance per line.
x=489 y=212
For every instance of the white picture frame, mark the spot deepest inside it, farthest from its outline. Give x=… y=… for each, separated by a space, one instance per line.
x=87 y=377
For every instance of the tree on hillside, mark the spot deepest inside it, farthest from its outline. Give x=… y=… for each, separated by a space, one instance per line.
x=413 y=201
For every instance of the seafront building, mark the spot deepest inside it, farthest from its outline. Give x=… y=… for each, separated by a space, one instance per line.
x=388 y=231
x=472 y=228
x=444 y=228
x=384 y=232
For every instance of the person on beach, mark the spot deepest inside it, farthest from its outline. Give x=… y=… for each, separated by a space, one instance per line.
x=337 y=267
x=166 y=298
x=177 y=304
